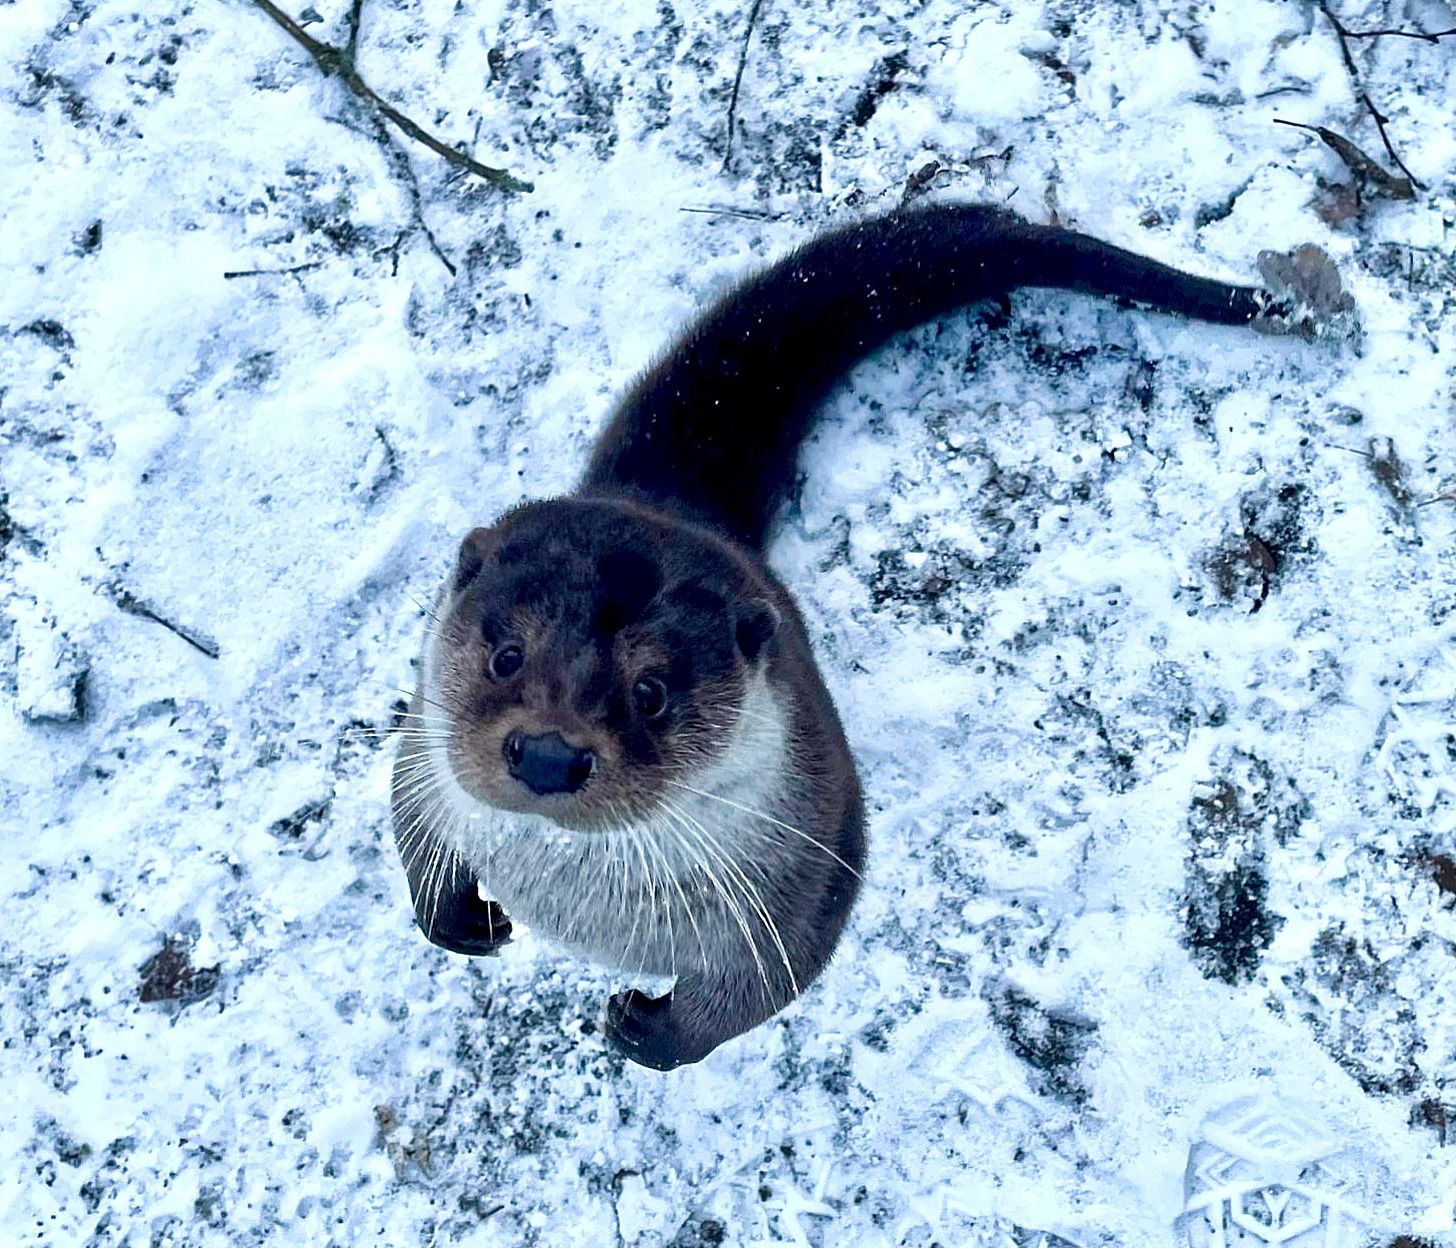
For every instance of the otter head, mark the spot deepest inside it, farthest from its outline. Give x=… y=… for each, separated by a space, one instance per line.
x=592 y=654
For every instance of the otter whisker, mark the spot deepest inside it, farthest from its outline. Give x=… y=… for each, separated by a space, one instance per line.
x=654 y=851
x=717 y=880
x=420 y=722
x=445 y=857
x=429 y=897
x=426 y=756
x=610 y=845
x=423 y=799
x=434 y=879
x=372 y=734
x=418 y=771
x=424 y=846
x=767 y=818
x=424 y=740
x=425 y=789
x=449 y=710
x=618 y=842
x=744 y=712
x=635 y=838
x=423 y=608
x=407 y=734
x=421 y=834
x=404 y=734
x=720 y=882
x=586 y=861
x=649 y=879
x=410 y=792
x=417 y=775
x=420 y=812
x=660 y=912
x=391 y=726
x=732 y=892
x=676 y=882
x=756 y=901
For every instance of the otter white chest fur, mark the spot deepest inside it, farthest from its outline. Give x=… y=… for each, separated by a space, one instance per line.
x=620 y=732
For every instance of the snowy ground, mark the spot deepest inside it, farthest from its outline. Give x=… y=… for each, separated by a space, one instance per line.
x=1141 y=630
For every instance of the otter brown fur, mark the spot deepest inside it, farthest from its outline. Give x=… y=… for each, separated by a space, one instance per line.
x=620 y=732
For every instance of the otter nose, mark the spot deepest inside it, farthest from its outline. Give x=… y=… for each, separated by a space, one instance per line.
x=548 y=764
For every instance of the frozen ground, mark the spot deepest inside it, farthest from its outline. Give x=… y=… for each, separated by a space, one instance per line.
x=1142 y=631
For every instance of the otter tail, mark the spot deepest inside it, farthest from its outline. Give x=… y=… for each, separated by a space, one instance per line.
x=715 y=426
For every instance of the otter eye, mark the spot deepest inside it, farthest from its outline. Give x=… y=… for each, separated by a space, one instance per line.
x=506 y=662
x=650 y=695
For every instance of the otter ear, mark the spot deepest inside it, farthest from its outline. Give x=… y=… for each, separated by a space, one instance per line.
x=755 y=628
x=478 y=546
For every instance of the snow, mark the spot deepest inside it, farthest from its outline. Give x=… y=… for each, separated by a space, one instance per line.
x=1034 y=559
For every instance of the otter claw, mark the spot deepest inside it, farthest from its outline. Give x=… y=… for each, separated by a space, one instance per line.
x=468 y=924
x=643 y=1029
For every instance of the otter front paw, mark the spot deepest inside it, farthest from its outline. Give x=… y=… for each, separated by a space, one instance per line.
x=644 y=1029
x=466 y=923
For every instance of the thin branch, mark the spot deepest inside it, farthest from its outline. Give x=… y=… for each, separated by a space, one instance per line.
x=339 y=63
x=356 y=16
x=748 y=214
x=400 y=163
x=1425 y=36
x=132 y=605
x=297 y=268
x=1344 y=35
x=738 y=81
x=392 y=251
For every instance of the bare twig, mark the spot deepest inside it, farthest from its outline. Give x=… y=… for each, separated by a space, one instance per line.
x=392 y=251
x=356 y=16
x=297 y=268
x=738 y=81
x=748 y=214
x=339 y=63
x=400 y=164
x=1344 y=35
x=1425 y=36
x=132 y=605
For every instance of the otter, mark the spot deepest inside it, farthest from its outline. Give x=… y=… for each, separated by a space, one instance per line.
x=620 y=733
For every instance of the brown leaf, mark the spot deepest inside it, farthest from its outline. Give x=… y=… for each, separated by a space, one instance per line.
x=1337 y=203
x=169 y=975
x=1370 y=175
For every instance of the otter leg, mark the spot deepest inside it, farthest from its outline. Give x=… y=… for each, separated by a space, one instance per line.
x=450 y=910
x=707 y=1007
x=465 y=922
x=448 y=906
x=703 y=1010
